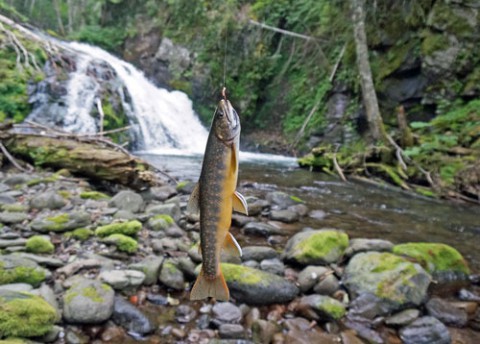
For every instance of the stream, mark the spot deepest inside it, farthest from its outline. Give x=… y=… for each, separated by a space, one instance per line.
x=360 y=209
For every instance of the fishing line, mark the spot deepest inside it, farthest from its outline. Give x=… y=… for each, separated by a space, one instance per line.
x=225 y=62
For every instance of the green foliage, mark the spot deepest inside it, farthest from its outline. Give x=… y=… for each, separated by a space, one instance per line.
x=39 y=244
x=108 y=38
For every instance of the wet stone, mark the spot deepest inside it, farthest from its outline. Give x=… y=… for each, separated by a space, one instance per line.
x=310 y=276
x=363 y=245
x=403 y=318
x=425 y=330
x=256 y=205
x=317 y=214
x=48 y=200
x=261 y=229
x=150 y=266
x=467 y=295
x=446 y=313
x=258 y=253
x=280 y=199
x=184 y=314
x=157 y=299
x=274 y=266
x=327 y=286
x=131 y=318
x=172 y=209
x=300 y=209
x=14 y=242
x=251 y=264
x=226 y=313
x=287 y=216
x=11 y=218
x=127 y=200
x=240 y=220
x=263 y=331
x=122 y=279
x=231 y=331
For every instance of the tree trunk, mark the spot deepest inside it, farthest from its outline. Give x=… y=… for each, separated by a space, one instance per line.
x=59 y=17
x=375 y=122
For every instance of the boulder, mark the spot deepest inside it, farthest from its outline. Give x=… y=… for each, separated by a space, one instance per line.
x=15 y=269
x=127 y=200
x=316 y=247
x=62 y=222
x=48 y=200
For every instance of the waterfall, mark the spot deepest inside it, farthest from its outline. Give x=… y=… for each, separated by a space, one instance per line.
x=161 y=121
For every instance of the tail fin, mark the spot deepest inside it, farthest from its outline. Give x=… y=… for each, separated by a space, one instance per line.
x=204 y=287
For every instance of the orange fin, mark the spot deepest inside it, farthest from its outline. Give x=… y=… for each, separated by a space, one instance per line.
x=193 y=205
x=216 y=288
x=239 y=203
x=231 y=246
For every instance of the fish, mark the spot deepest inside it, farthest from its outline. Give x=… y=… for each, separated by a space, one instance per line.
x=215 y=197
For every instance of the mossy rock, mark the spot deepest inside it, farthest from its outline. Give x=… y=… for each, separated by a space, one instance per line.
x=325 y=307
x=122 y=242
x=39 y=244
x=62 y=222
x=88 y=302
x=25 y=315
x=95 y=195
x=394 y=280
x=440 y=260
x=14 y=208
x=316 y=247
x=130 y=228
x=15 y=269
x=160 y=222
x=81 y=234
x=252 y=286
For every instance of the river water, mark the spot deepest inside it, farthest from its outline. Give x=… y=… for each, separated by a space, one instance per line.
x=360 y=209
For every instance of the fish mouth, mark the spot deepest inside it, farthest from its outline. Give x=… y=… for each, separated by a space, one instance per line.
x=231 y=114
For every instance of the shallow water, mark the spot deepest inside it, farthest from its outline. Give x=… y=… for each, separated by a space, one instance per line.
x=360 y=209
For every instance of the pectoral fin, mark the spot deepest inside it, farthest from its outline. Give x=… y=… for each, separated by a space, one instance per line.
x=193 y=205
x=239 y=203
x=231 y=246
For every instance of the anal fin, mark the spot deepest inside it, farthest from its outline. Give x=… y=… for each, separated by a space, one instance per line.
x=239 y=203
x=231 y=246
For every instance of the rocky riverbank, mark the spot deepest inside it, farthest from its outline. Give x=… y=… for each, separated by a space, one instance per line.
x=82 y=266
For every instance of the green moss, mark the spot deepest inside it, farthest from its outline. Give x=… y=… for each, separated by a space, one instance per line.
x=181 y=185
x=39 y=244
x=434 y=42
x=297 y=199
x=124 y=243
x=25 y=315
x=434 y=257
x=82 y=234
x=320 y=245
x=172 y=268
x=65 y=194
x=13 y=341
x=92 y=293
x=14 y=208
x=242 y=274
x=57 y=222
x=46 y=180
x=332 y=307
x=95 y=195
x=165 y=217
x=21 y=274
x=130 y=228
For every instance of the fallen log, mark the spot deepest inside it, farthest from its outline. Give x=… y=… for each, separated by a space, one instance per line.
x=94 y=159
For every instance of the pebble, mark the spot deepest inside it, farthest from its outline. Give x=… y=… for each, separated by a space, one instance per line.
x=184 y=314
x=231 y=331
x=131 y=318
x=274 y=266
x=258 y=253
x=226 y=313
x=425 y=330
x=403 y=318
x=157 y=299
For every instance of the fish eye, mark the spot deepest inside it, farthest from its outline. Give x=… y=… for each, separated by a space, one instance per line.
x=220 y=113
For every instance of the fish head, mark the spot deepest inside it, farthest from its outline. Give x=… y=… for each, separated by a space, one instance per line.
x=226 y=122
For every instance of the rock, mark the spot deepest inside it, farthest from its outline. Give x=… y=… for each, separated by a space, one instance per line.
x=124 y=215
x=316 y=247
x=122 y=279
x=425 y=330
x=160 y=222
x=363 y=329
x=467 y=295
x=157 y=299
x=42 y=260
x=15 y=208
x=17 y=179
x=446 y=312
x=231 y=331
x=113 y=334
x=262 y=229
x=130 y=228
x=301 y=332
x=368 y=306
x=226 y=313
x=150 y=266
x=327 y=286
x=443 y=262
x=122 y=242
x=258 y=253
x=171 y=275
x=127 y=200
x=131 y=318
x=282 y=199
x=14 y=269
x=52 y=335
x=396 y=281
x=187 y=266
x=62 y=222
x=256 y=205
x=364 y=245
x=184 y=314
x=403 y=318
x=161 y=193
x=18 y=287
x=287 y=216
x=164 y=244
x=317 y=214
x=321 y=308
x=88 y=302
x=39 y=244
x=171 y=209
x=11 y=243
x=263 y=331
x=239 y=220
x=310 y=276
x=48 y=200
x=94 y=195
x=253 y=286
x=10 y=218
x=273 y=266
x=5 y=198
x=24 y=315
x=300 y=209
